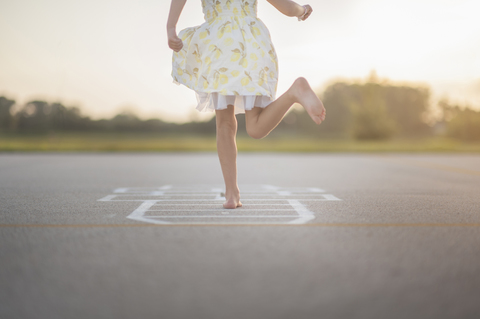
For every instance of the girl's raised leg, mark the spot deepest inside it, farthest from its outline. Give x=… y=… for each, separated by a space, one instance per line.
x=226 y=123
x=261 y=121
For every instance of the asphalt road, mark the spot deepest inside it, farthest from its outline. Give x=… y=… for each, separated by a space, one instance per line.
x=319 y=236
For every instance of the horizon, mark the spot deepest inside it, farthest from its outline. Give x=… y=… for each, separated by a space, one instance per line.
x=432 y=112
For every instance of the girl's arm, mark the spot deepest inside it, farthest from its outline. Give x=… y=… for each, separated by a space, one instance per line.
x=174 y=42
x=292 y=9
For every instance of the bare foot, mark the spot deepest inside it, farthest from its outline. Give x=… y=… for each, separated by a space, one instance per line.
x=304 y=95
x=233 y=200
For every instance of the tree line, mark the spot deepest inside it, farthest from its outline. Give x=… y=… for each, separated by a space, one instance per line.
x=364 y=111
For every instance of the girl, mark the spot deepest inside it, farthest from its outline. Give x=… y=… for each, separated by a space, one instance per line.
x=231 y=64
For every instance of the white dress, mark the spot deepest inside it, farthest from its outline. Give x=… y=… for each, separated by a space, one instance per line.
x=229 y=59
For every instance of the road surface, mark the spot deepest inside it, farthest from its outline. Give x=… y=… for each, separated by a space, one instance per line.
x=143 y=235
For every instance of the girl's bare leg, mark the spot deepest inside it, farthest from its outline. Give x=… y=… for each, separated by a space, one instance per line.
x=227 y=153
x=261 y=121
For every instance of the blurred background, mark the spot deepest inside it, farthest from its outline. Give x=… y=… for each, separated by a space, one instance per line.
x=96 y=75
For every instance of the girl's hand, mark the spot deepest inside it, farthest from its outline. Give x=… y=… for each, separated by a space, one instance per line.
x=308 y=11
x=174 y=42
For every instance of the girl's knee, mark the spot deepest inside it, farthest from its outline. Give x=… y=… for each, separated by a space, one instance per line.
x=254 y=132
x=227 y=123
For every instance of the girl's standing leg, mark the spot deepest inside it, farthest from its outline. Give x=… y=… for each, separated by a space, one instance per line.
x=227 y=153
x=261 y=121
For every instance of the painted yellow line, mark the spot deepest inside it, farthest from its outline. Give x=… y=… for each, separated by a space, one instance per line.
x=237 y=225
x=431 y=165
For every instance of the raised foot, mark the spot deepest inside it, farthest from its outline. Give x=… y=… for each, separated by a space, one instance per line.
x=304 y=95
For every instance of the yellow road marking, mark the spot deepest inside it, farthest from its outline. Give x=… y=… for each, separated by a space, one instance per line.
x=431 y=165
x=241 y=225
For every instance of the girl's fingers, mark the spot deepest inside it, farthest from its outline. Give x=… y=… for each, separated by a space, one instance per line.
x=176 y=49
x=175 y=44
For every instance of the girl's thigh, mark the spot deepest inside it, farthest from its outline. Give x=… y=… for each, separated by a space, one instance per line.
x=252 y=115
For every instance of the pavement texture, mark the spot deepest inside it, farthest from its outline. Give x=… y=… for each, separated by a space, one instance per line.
x=127 y=235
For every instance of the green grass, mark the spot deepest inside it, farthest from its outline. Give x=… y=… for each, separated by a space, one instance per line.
x=116 y=142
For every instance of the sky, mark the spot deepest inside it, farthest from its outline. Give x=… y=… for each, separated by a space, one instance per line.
x=109 y=56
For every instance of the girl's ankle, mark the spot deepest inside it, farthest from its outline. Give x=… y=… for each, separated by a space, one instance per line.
x=232 y=192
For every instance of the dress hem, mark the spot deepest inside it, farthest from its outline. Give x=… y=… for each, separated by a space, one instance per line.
x=211 y=101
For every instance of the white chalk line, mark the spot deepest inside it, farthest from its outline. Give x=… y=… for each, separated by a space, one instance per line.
x=326 y=197
x=209 y=193
x=303 y=216
x=303 y=212
x=138 y=214
x=215 y=204
x=240 y=209
x=215 y=194
x=181 y=196
x=228 y=216
x=220 y=199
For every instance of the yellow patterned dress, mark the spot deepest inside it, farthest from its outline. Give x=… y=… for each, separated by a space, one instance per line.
x=229 y=59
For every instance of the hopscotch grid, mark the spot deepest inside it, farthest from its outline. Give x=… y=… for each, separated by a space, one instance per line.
x=281 y=196
x=216 y=199
x=221 y=208
x=241 y=209
x=227 y=216
x=271 y=189
x=170 y=196
x=210 y=193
